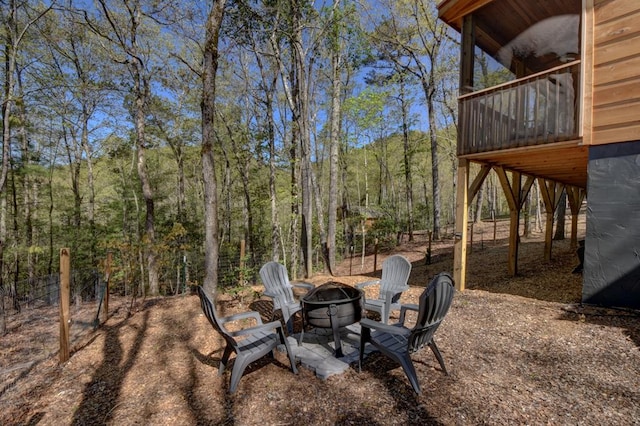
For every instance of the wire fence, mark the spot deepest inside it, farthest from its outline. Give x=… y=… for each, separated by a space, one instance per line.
x=31 y=320
x=36 y=292
x=31 y=310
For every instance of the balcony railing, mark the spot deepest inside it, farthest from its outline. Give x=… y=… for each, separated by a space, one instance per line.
x=534 y=110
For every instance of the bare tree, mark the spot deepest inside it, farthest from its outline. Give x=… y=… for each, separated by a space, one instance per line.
x=413 y=29
x=334 y=139
x=122 y=25
x=408 y=156
x=214 y=22
x=76 y=60
x=296 y=87
x=268 y=79
x=17 y=19
x=561 y=212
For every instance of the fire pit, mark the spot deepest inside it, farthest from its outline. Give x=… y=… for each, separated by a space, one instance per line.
x=332 y=305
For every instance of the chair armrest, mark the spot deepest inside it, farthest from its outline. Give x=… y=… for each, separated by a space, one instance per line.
x=397 y=289
x=391 y=329
x=307 y=286
x=269 y=294
x=241 y=316
x=408 y=307
x=367 y=283
x=273 y=325
x=389 y=294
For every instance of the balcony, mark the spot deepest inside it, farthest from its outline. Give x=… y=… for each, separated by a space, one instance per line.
x=539 y=109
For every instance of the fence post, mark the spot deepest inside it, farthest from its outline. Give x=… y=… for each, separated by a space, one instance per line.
x=242 y=254
x=375 y=255
x=105 y=310
x=65 y=269
x=186 y=272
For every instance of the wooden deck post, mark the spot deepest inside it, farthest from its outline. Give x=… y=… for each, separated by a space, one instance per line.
x=65 y=274
x=462 y=218
x=551 y=192
x=467 y=55
x=516 y=193
x=464 y=197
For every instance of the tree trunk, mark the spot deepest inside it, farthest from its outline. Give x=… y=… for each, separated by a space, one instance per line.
x=9 y=83
x=295 y=210
x=129 y=44
x=477 y=216
x=141 y=92
x=334 y=148
x=407 y=159
x=49 y=218
x=3 y=238
x=181 y=186
x=214 y=21
x=90 y=183
x=275 y=223
x=322 y=232
x=538 y=210
x=28 y=182
x=287 y=79
x=3 y=317
x=561 y=211
x=434 y=173
x=74 y=158
x=225 y=233
x=16 y=270
x=243 y=170
x=301 y=121
x=273 y=196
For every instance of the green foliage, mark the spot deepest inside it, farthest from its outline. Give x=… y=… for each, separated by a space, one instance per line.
x=69 y=70
x=385 y=230
x=235 y=274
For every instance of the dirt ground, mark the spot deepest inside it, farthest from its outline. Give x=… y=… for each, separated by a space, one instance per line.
x=519 y=350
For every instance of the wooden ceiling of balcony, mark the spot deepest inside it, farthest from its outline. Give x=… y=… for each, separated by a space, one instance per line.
x=564 y=162
x=497 y=22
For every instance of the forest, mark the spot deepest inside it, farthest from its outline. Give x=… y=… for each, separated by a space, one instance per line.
x=185 y=136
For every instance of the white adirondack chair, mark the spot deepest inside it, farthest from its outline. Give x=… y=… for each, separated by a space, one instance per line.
x=395 y=274
x=277 y=286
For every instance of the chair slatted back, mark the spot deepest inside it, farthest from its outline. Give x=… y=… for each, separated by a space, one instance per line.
x=210 y=312
x=435 y=302
x=395 y=275
x=276 y=280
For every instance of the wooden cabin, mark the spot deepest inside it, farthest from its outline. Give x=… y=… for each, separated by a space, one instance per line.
x=569 y=116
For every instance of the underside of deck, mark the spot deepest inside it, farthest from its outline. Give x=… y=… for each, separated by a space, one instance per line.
x=563 y=162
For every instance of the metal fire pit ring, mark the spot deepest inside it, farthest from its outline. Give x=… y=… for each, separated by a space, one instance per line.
x=332 y=305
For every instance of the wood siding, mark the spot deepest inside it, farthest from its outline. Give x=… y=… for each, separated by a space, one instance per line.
x=616 y=71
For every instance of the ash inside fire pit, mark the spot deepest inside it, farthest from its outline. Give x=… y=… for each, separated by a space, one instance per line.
x=332 y=305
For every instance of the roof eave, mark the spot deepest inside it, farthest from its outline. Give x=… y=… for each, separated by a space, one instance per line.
x=452 y=11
